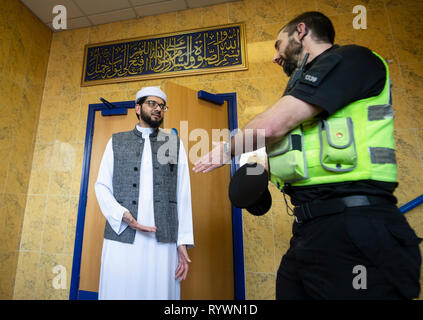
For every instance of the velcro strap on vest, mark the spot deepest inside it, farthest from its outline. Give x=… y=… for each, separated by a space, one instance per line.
x=382 y=155
x=380 y=112
x=308 y=211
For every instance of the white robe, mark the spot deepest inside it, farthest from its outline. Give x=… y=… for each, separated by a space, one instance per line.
x=144 y=270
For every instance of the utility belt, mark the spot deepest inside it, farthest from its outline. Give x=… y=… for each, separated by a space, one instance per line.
x=308 y=210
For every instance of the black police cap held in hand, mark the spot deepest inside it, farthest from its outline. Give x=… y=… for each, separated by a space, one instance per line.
x=248 y=189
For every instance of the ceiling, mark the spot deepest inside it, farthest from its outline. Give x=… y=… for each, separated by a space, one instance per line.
x=86 y=13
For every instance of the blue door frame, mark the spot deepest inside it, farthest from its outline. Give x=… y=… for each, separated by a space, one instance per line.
x=121 y=108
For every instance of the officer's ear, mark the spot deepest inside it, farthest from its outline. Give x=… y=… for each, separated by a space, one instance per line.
x=302 y=30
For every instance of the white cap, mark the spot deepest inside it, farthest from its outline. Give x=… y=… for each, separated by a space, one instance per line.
x=151 y=91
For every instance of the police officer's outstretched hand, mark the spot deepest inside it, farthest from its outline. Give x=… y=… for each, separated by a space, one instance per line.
x=213 y=160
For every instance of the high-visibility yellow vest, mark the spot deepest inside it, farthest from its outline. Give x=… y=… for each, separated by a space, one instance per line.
x=355 y=143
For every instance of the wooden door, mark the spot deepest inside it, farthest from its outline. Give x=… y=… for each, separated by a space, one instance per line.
x=104 y=127
x=211 y=274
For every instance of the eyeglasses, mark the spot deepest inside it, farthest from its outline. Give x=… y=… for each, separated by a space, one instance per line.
x=154 y=104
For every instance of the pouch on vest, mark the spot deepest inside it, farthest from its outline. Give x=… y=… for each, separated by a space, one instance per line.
x=287 y=157
x=337 y=145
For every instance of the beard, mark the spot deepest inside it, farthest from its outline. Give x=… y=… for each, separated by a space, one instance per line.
x=292 y=54
x=152 y=123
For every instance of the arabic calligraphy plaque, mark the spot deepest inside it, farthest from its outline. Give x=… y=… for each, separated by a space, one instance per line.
x=209 y=50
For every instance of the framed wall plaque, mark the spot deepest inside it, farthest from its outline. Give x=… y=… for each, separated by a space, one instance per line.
x=201 y=51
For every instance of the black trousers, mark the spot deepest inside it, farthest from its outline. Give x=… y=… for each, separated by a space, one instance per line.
x=361 y=253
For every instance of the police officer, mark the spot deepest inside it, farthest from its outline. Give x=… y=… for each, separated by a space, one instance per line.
x=330 y=147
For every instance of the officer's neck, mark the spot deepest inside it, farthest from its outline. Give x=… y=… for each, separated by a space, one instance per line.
x=315 y=49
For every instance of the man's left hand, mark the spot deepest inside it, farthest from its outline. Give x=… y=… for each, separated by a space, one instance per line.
x=182 y=269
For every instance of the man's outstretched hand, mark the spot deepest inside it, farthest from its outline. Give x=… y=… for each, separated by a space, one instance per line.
x=213 y=160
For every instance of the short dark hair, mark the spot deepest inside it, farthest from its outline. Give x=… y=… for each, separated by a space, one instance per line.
x=141 y=101
x=321 y=26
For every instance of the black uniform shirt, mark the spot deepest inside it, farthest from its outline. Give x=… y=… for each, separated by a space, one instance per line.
x=331 y=81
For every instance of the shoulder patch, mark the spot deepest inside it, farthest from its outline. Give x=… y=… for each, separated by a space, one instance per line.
x=320 y=70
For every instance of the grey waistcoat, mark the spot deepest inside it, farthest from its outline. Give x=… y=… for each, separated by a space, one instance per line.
x=127 y=152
